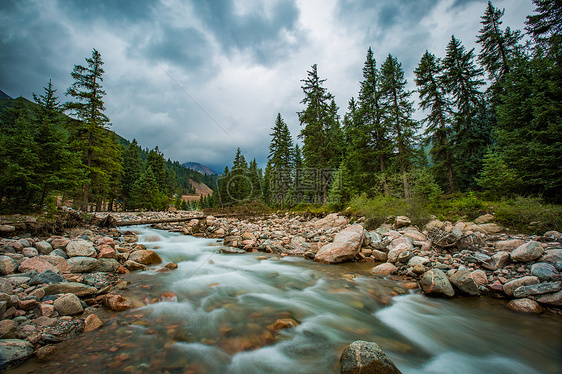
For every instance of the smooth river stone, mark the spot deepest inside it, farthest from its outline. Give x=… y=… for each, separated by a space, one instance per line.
x=537 y=289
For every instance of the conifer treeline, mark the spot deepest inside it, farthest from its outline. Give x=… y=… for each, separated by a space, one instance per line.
x=501 y=136
x=44 y=153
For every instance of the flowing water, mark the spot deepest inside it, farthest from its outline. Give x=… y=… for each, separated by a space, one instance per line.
x=223 y=320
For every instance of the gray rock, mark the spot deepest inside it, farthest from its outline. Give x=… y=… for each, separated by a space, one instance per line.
x=463 y=281
x=417 y=260
x=7 y=229
x=48 y=277
x=6 y=286
x=133 y=265
x=554 y=299
x=78 y=289
x=347 y=243
x=372 y=238
x=44 y=247
x=478 y=257
x=3 y=307
x=367 y=358
x=14 y=352
x=544 y=271
x=29 y=252
x=68 y=305
x=7 y=265
x=497 y=261
x=379 y=256
x=82 y=264
x=59 y=252
x=537 y=289
x=80 y=248
x=108 y=265
x=527 y=252
x=554 y=257
x=511 y=286
x=435 y=282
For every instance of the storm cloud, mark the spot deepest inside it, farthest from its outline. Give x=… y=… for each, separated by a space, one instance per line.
x=200 y=78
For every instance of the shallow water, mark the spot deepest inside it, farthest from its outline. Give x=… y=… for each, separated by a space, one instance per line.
x=222 y=321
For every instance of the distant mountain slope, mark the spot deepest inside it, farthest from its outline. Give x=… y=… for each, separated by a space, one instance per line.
x=202 y=169
x=4 y=96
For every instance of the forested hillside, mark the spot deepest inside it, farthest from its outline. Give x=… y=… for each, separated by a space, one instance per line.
x=46 y=153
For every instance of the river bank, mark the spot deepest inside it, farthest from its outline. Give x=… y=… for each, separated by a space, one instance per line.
x=40 y=275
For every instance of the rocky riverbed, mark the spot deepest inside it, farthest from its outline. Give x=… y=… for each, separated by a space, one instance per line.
x=52 y=288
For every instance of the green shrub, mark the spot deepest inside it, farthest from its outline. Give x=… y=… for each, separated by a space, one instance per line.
x=529 y=215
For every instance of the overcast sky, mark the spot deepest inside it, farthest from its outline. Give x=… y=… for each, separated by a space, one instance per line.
x=198 y=78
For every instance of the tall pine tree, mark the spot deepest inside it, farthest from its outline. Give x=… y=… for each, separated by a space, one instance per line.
x=398 y=110
x=434 y=100
x=88 y=109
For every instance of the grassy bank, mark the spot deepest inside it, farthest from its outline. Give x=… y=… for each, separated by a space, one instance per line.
x=520 y=214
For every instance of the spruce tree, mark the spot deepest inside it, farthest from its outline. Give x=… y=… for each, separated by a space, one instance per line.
x=281 y=145
x=433 y=99
x=370 y=146
x=471 y=119
x=314 y=118
x=320 y=123
x=398 y=110
x=88 y=109
x=281 y=159
x=132 y=170
x=57 y=168
x=239 y=186
x=546 y=26
x=498 y=47
x=18 y=158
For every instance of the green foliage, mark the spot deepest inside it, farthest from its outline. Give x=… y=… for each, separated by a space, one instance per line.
x=426 y=188
x=398 y=110
x=529 y=214
x=497 y=178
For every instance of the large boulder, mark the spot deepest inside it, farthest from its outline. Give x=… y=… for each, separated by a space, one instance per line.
x=330 y=221
x=537 y=289
x=366 y=358
x=78 y=289
x=145 y=257
x=7 y=265
x=107 y=265
x=463 y=280
x=554 y=299
x=36 y=263
x=398 y=246
x=554 y=257
x=435 y=282
x=527 y=252
x=47 y=277
x=384 y=269
x=544 y=271
x=511 y=286
x=508 y=245
x=80 y=248
x=82 y=264
x=14 y=352
x=345 y=247
x=402 y=221
x=525 y=306
x=43 y=247
x=57 y=261
x=497 y=261
x=68 y=305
